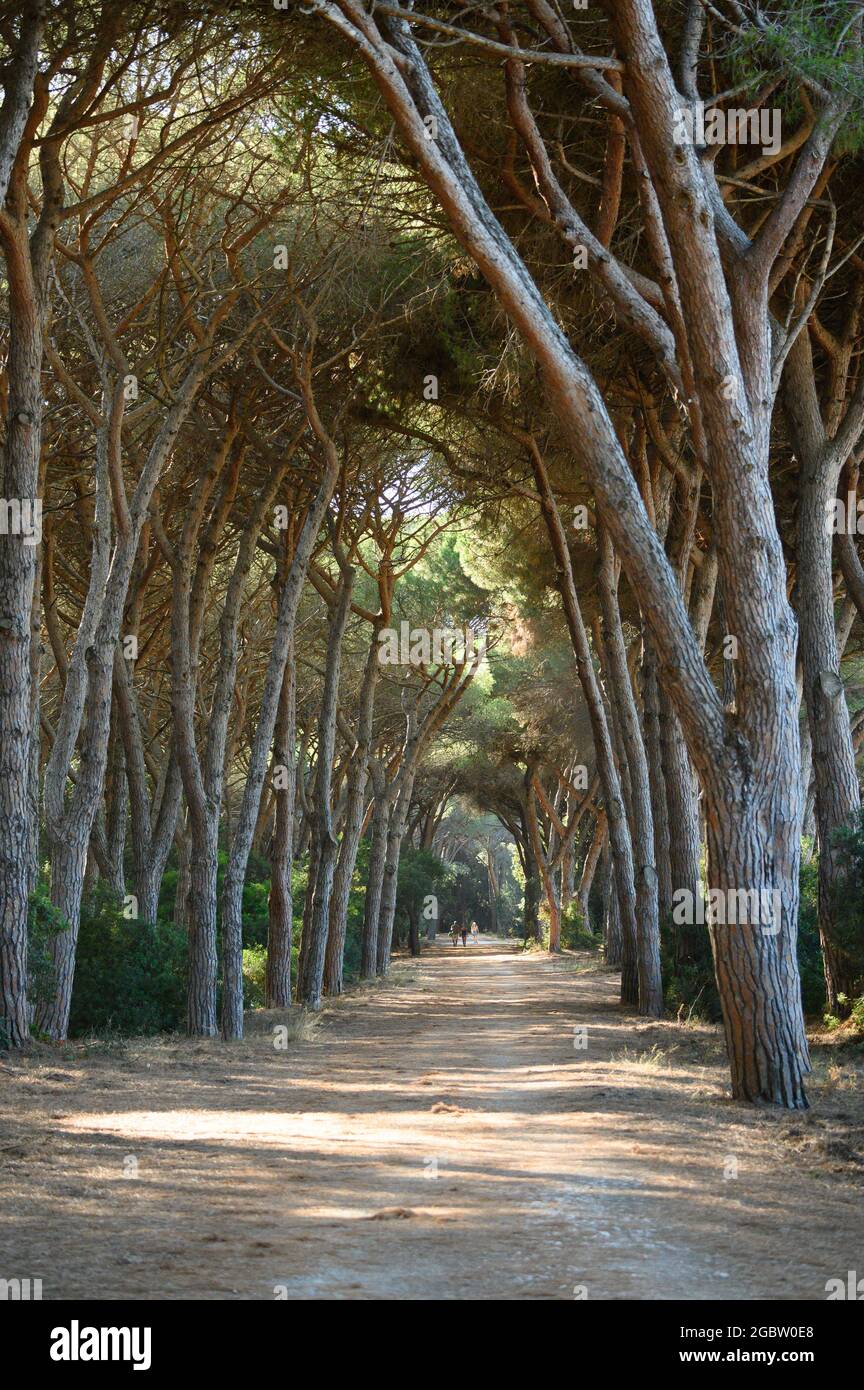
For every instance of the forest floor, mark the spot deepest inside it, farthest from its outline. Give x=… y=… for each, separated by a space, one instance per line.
x=435 y=1136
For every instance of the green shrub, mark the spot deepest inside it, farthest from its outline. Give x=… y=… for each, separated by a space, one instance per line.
x=531 y=943
x=256 y=894
x=575 y=936
x=690 y=990
x=809 y=949
x=44 y=922
x=689 y=986
x=130 y=977
x=847 y=912
x=254 y=976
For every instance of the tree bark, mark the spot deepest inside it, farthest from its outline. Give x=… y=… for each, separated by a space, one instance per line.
x=358 y=776
x=659 y=802
x=838 y=797
x=540 y=859
x=619 y=833
x=589 y=868
x=27 y=266
x=280 y=905
x=315 y=929
x=241 y=843
x=621 y=691
x=375 y=876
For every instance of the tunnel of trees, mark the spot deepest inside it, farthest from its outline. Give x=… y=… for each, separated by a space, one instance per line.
x=430 y=494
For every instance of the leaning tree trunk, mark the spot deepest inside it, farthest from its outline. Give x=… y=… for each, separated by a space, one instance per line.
x=659 y=803
x=619 y=833
x=621 y=691
x=395 y=836
x=315 y=928
x=589 y=868
x=183 y=886
x=241 y=842
x=612 y=942
x=541 y=860
x=151 y=871
x=531 y=908
x=381 y=808
x=493 y=892
x=691 y=941
x=280 y=905
x=68 y=868
x=153 y=825
x=832 y=755
x=357 y=779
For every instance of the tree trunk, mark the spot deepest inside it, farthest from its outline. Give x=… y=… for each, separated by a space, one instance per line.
x=375 y=875
x=493 y=890
x=17 y=583
x=183 y=886
x=659 y=800
x=27 y=266
x=621 y=691
x=613 y=944
x=280 y=905
x=589 y=868
x=759 y=988
x=413 y=931
x=541 y=861
x=241 y=843
x=395 y=836
x=315 y=928
x=358 y=776
x=691 y=940
x=533 y=889
x=201 y=985
x=68 y=867
x=619 y=834
x=153 y=825
x=838 y=797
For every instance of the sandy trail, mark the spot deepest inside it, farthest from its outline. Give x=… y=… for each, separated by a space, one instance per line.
x=438 y=1138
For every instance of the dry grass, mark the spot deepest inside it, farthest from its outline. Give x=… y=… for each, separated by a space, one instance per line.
x=647 y=1059
x=283 y=1026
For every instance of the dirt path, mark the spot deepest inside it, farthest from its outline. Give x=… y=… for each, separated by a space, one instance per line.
x=438 y=1137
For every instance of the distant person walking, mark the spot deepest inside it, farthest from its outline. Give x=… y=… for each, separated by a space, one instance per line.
x=464 y=933
x=475 y=933
x=454 y=935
